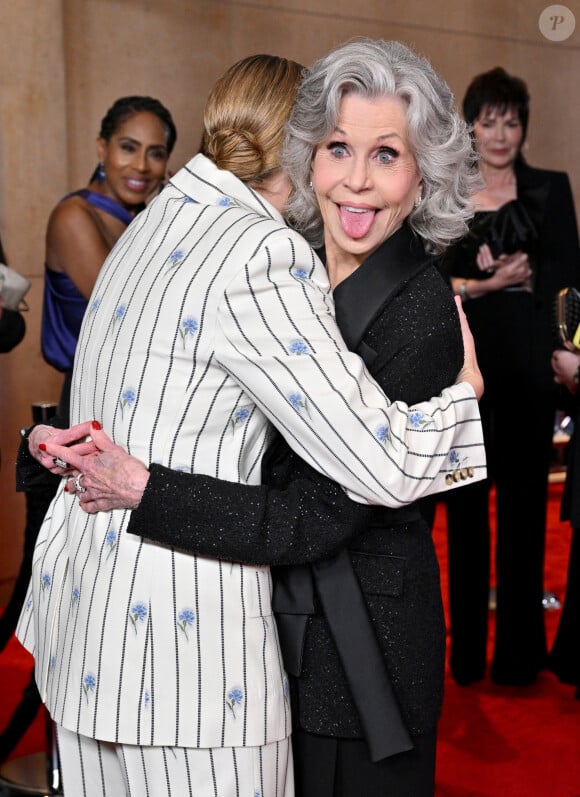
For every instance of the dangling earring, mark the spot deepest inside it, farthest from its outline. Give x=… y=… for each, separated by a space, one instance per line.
x=418 y=201
x=101 y=172
x=310 y=186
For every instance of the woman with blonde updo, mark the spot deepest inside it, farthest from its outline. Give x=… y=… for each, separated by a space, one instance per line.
x=214 y=318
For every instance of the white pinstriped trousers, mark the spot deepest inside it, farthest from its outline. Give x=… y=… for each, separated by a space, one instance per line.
x=92 y=768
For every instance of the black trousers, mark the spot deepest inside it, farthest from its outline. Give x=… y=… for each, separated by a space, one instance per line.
x=518 y=437
x=330 y=767
x=565 y=654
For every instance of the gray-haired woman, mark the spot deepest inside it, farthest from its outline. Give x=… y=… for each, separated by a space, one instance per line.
x=380 y=164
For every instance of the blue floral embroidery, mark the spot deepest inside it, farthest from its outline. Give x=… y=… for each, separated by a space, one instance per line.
x=176 y=258
x=235 y=698
x=286 y=689
x=29 y=605
x=127 y=399
x=383 y=434
x=419 y=420
x=187 y=328
x=225 y=202
x=189 y=201
x=138 y=614
x=239 y=417
x=298 y=401
x=52 y=662
x=147 y=699
x=119 y=312
x=110 y=541
x=299 y=347
x=454 y=458
x=300 y=273
x=95 y=304
x=76 y=593
x=89 y=684
x=460 y=470
x=45 y=581
x=185 y=618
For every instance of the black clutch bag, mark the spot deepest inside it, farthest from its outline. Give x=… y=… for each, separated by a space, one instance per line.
x=568 y=318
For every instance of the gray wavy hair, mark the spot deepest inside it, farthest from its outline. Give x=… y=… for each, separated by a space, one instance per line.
x=438 y=135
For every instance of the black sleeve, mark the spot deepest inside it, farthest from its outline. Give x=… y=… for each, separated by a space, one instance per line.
x=12 y=329
x=12 y=324
x=560 y=234
x=30 y=474
x=311 y=518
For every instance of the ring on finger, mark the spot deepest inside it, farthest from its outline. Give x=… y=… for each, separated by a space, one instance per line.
x=60 y=462
x=78 y=486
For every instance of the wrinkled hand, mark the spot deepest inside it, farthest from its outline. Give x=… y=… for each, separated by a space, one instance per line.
x=42 y=434
x=508 y=270
x=110 y=477
x=565 y=364
x=470 y=371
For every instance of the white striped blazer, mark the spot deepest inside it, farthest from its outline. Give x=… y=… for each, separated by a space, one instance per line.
x=210 y=318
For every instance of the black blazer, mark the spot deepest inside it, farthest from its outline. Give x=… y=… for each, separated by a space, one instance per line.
x=411 y=341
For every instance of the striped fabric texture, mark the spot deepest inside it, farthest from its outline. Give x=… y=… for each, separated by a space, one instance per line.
x=210 y=319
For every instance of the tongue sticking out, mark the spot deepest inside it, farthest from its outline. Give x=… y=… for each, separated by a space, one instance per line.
x=356 y=223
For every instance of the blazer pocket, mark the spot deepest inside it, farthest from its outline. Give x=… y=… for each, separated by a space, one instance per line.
x=379 y=574
x=257 y=591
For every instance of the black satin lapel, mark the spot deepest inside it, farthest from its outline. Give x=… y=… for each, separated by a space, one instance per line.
x=360 y=297
x=293 y=602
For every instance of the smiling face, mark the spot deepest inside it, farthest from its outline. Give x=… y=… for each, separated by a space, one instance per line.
x=498 y=137
x=365 y=176
x=135 y=159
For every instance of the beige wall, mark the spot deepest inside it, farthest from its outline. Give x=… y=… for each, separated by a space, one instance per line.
x=63 y=62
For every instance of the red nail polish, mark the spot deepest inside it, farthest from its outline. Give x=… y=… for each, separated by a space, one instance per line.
x=66 y=489
x=96 y=425
x=42 y=446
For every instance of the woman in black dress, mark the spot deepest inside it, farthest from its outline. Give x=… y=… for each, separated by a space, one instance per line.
x=521 y=249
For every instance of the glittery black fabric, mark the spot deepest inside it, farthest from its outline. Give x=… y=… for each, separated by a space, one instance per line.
x=258 y=525
x=419 y=351
x=415 y=344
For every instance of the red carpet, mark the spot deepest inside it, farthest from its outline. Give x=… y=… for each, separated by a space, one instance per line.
x=15 y=670
x=493 y=741
x=496 y=741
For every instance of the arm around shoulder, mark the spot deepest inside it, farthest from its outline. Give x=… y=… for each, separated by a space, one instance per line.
x=277 y=337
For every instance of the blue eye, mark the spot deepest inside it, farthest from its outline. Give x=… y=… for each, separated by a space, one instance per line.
x=337 y=149
x=386 y=155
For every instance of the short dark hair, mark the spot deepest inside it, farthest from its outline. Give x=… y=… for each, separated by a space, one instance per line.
x=126 y=107
x=501 y=92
